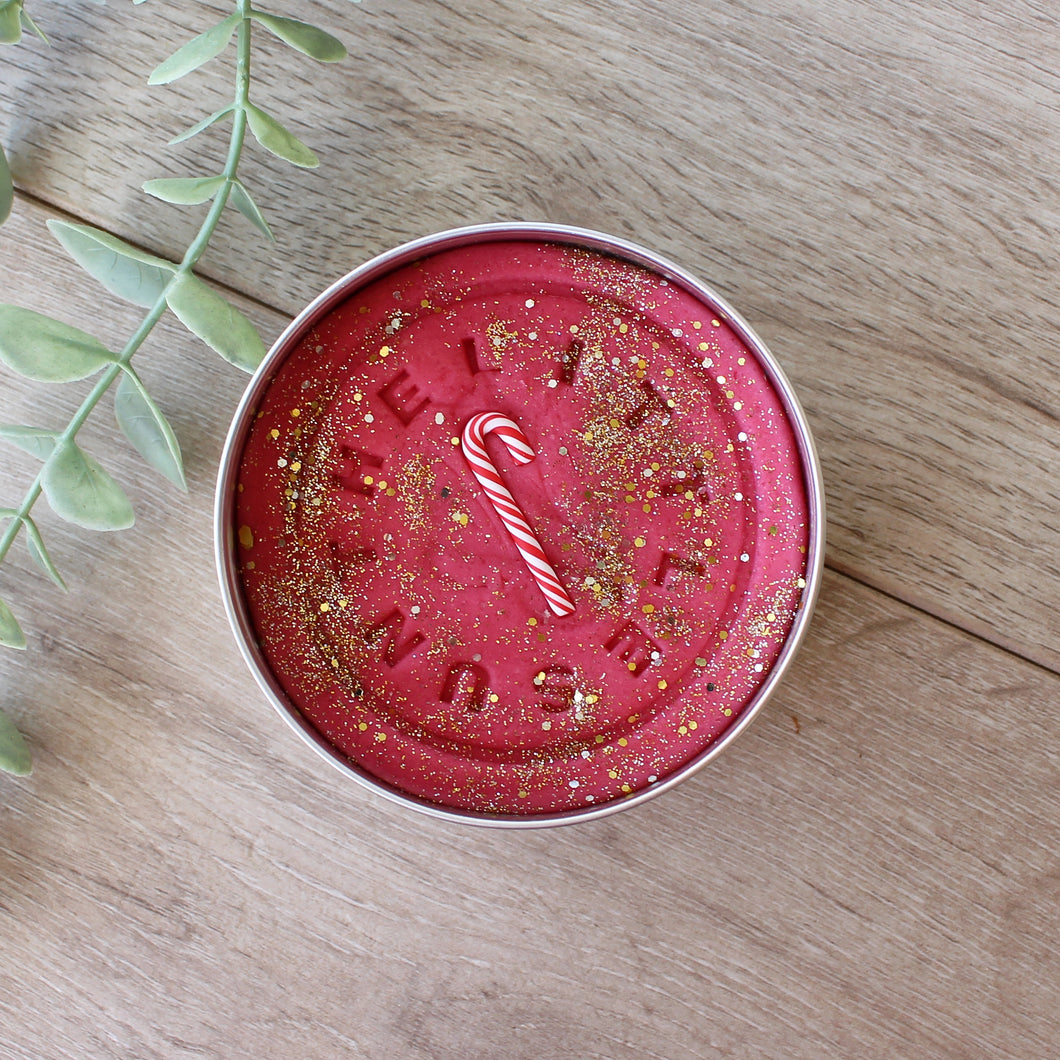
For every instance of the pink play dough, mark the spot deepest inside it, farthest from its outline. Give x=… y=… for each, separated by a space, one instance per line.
x=668 y=492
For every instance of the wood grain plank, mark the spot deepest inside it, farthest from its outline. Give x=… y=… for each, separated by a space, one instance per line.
x=871 y=183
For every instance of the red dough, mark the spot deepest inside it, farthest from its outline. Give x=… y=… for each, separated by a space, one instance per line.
x=668 y=492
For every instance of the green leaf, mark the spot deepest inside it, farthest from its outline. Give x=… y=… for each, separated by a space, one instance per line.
x=306 y=38
x=185 y=191
x=11 y=635
x=132 y=274
x=199 y=126
x=35 y=543
x=218 y=323
x=11 y=22
x=242 y=201
x=7 y=188
x=275 y=138
x=147 y=429
x=42 y=348
x=14 y=751
x=81 y=492
x=34 y=440
x=31 y=27
x=195 y=53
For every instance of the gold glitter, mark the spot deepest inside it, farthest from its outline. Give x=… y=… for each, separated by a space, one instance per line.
x=246 y=537
x=296 y=412
x=274 y=433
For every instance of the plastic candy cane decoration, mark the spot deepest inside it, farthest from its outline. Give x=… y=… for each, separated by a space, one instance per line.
x=473 y=443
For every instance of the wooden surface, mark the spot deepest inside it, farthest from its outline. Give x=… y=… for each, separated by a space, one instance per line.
x=873 y=870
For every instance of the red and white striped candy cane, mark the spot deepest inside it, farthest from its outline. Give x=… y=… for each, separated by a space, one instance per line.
x=473 y=444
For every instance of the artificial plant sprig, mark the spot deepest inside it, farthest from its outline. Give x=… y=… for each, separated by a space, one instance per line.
x=76 y=486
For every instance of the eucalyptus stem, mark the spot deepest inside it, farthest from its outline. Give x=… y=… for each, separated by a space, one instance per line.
x=195 y=250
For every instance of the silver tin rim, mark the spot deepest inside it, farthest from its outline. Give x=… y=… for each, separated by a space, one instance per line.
x=224 y=534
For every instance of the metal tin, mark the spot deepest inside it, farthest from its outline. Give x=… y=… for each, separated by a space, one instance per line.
x=226 y=546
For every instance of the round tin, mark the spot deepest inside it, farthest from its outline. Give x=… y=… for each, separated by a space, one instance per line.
x=643 y=735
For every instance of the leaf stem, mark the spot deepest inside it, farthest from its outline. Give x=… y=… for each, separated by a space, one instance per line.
x=195 y=250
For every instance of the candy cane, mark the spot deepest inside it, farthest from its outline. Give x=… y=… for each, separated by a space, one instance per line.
x=473 y=444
